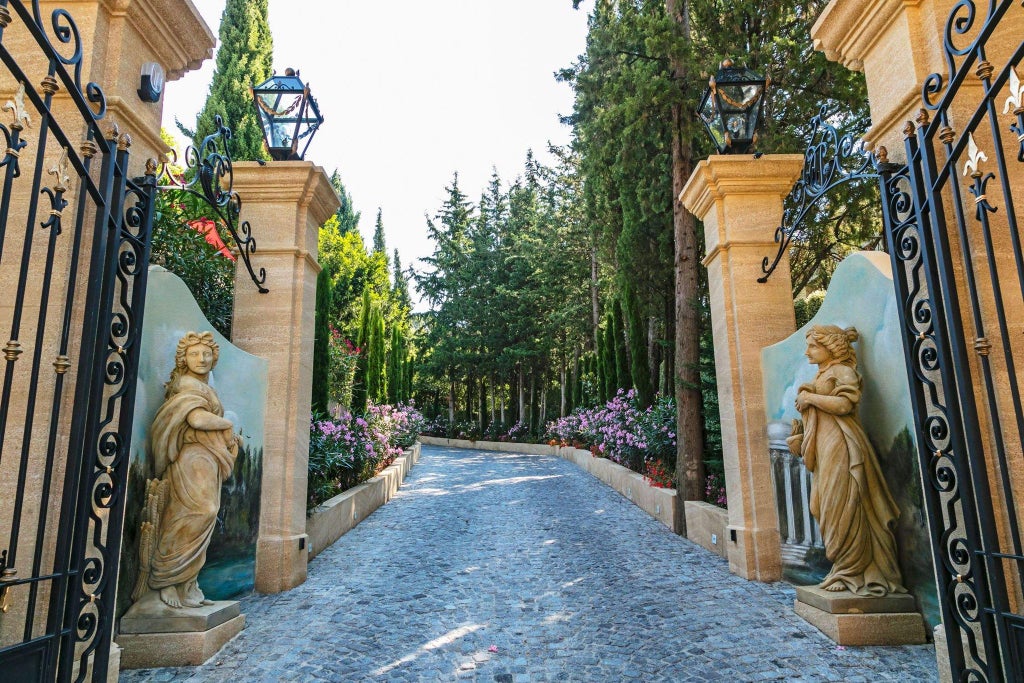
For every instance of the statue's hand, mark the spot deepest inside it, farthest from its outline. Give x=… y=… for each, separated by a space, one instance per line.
x=803 y=401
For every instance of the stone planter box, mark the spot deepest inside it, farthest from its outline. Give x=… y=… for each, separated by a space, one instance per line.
x=334 y=518
x=706 y=526
x=657 y=502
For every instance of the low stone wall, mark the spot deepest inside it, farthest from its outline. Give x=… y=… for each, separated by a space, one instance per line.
x=657 y=502
x=334 y=518
x=706 y=526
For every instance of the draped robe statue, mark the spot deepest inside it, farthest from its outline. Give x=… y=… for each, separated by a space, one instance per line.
x=849 y=496
x=193 y=449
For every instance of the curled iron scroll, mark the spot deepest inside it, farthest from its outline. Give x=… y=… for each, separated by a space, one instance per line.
x=831 y=159
x=212 y=181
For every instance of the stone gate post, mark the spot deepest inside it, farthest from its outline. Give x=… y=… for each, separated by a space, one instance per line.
x=739 y=199
x=286 y=202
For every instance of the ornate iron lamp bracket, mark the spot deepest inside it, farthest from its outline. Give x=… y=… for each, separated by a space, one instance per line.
x=212 y=182
x=830 y=160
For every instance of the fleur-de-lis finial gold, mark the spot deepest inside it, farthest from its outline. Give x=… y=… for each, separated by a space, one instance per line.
x=974 y=158
x=60 y=171
x=16 y=106
x=1016 y=93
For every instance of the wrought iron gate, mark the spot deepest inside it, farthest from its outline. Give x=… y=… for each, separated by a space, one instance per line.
x=74 y=252
x=952 y=227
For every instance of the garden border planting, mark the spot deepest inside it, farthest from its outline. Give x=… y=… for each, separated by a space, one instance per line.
x=334 y=518
x=659 y=503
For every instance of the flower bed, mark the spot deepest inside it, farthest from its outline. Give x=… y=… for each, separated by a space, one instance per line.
x=641 y=440
x=346 y=450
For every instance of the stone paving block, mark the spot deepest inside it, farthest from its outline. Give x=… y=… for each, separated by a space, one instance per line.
x=533 y=555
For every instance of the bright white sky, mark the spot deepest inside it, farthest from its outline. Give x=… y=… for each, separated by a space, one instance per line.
x=414 y=90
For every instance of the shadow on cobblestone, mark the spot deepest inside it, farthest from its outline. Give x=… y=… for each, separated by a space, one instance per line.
x=502 y=568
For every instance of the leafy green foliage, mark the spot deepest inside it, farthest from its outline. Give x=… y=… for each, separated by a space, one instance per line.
x=184 y=251
x=321 y=344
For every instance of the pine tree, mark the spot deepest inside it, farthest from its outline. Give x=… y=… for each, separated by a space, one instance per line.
x=400 y=285
x=321 y=343
x=378 y=234
x=244 y=59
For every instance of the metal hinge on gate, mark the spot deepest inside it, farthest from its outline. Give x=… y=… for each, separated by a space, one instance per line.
x=7 y=575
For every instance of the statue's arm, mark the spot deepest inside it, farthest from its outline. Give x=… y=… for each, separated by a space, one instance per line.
x=836 y=405
x=205 y=421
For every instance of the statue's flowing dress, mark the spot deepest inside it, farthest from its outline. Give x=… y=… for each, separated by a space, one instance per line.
x=194 y=463
x=849 y=498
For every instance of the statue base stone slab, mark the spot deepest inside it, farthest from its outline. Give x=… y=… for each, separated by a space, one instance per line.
x=851 y=619
x=155 y=635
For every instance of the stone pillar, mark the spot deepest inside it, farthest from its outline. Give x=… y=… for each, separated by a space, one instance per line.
x=286 y=202
x=739 y=199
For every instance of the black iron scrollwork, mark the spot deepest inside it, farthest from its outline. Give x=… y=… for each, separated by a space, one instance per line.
x=830 y=160
x=211 y=181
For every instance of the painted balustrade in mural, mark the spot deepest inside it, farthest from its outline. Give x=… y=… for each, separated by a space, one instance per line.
x=792 y=484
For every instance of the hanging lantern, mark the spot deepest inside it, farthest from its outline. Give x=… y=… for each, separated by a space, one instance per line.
x=288 y=114
x=732 y=108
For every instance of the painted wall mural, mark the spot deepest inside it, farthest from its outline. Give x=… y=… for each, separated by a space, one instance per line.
x=861 y=295
x=240 y=380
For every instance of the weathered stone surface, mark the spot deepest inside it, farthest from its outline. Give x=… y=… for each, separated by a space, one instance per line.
x=176 y=649
x=904 y=628
x=706 y=526
x=150 y=615
x=561 y=575
x=845 y=602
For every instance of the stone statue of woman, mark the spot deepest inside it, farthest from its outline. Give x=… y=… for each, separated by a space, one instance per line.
x=193 y=449
x=849 y=496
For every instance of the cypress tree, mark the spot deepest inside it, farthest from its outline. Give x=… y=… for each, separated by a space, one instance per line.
x=244 y=59
x=395 y=367
x=638 y=347
x=378 y=234
x=348 y=217
x=621 y=360
x=376 y=380
x=611 y=372
x=321 y=343
x=599 y=367
x=359 y=387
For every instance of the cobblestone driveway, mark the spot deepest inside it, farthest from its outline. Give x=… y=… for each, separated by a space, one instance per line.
x=501 y=567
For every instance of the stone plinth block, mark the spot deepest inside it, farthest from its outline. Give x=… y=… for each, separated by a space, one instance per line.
x=153 y=634
x=851 y=619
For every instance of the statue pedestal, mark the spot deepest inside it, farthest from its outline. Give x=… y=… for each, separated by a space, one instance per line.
x=153 y=634
x=851 y=619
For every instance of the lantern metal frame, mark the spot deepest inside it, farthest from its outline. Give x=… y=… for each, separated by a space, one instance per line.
x=286 y=122
x=720 y=110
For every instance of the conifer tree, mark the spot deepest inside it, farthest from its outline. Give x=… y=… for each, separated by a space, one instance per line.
x=321 y=343
x=346 y=215
x=360 y=386
x=622 y=374
x=400 y=285
x=394 y=372
x=640 y=368
x=244 y=59
x=376 y=378
x=378 y=234
x=610 y=370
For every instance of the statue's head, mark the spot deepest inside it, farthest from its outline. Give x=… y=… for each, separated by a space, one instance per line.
x=836 y=341
x=197 y=351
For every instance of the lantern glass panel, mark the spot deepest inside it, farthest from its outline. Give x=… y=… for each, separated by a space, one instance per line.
x=288 y=113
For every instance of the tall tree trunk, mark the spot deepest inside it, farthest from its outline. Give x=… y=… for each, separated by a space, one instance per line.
x=503 y=405
x=561 y=407
x=493 y=390
x=522 y=396
x=690 y=423
x=451 y=400
x=533 y=398
x=654 y=352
